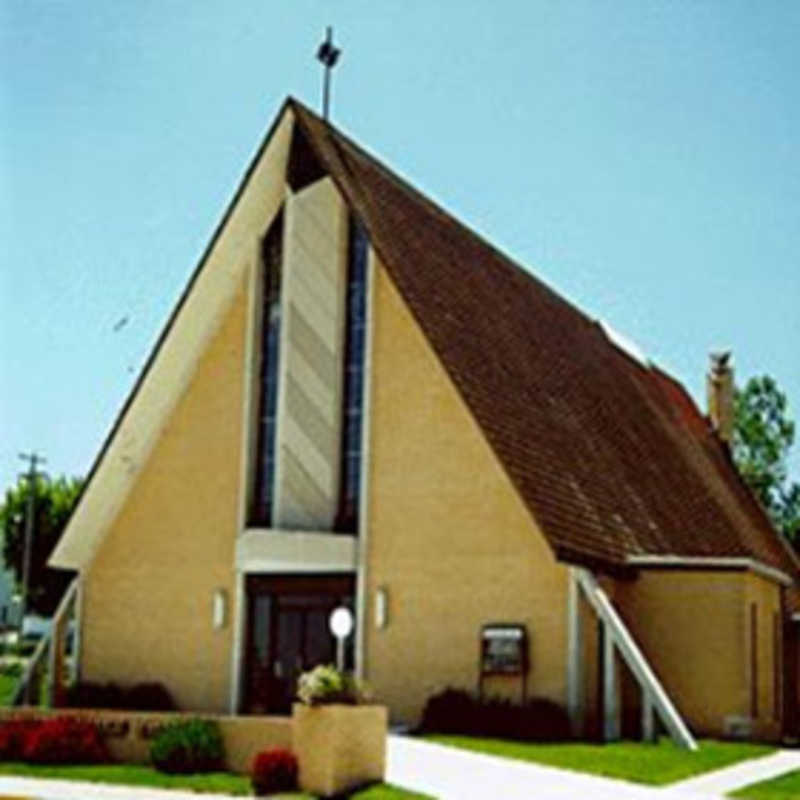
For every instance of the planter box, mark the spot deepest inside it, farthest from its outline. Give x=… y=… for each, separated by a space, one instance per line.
x=339 y=747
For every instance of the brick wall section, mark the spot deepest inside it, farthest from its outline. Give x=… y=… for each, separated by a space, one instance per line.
x=149 y=591
x=694 y=627
x=449 y=538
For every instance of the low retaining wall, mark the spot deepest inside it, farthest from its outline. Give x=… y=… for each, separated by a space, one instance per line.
x=338 y=747
x=128 y=733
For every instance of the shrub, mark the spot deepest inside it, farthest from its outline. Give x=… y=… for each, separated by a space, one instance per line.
x=64 y=740
x=95 y=695
x=149 y=697
x=451 y=711
x=325 y=685
x=188 y=746
x=274 y=771
x=139 y=697
x=13 y=735
x=457 y=712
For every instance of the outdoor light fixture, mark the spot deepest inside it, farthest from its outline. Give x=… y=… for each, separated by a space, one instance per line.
x=381 y=608
x=341 y=626
x=219 y=609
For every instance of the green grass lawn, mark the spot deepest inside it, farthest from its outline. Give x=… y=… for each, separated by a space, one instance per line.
x=784 y=787
x=133 y=775
x=219 y=782
x=656 y=764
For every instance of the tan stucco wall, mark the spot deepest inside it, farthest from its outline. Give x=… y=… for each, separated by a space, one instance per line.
x=693 y=626
x=448 y=536
x=766 y=597
x=149 y=591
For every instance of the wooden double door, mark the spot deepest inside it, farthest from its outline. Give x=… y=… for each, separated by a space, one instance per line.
x=288 y=633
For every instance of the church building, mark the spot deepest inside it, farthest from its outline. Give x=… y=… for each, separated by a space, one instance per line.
x=359 y=402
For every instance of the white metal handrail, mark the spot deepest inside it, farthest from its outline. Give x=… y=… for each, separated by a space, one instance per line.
x=47 y=645
x=652 y=689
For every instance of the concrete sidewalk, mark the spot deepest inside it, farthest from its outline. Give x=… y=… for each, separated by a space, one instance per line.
x=451 y=774
x=448 y=773
x=47 y=789
x=722 y=781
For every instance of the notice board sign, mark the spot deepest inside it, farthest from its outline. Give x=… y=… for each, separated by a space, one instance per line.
x=504 y=649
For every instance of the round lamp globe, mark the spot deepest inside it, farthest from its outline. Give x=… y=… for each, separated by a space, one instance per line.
x=341 y=622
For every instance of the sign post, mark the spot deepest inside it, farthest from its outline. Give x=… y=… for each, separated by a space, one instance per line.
x=341 y=626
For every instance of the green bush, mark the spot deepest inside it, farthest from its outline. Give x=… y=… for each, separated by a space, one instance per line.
x=188 y=746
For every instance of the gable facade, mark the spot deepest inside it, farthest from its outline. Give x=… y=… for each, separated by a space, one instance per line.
x=436 y=504
x=315 y=430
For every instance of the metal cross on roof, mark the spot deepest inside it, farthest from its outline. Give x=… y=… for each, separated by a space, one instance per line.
x=328 y=54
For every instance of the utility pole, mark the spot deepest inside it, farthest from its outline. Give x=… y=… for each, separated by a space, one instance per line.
x=328 y=54
x=31 y=476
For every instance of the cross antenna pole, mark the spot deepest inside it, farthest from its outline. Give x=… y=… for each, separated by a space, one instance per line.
x=327 y=54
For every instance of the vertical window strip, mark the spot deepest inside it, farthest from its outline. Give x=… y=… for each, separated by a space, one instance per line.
x=777 y=664
x=753 y=660
x=271 y=257
x=353 y=379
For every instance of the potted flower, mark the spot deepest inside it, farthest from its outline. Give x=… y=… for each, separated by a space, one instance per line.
x=339 y=739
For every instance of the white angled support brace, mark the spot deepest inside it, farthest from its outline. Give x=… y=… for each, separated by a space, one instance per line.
x=611 y=727
x=648 y=718
x=575 y=698
x=653 y=692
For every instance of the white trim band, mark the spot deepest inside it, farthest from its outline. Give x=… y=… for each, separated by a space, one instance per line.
x=712 y=562
x=277 y=551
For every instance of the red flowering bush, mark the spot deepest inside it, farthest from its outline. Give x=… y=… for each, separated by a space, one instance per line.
x=13 y=735
x=64 y=740
x=274 y=771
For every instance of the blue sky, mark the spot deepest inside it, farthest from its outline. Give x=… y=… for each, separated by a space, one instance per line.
x=640 y=157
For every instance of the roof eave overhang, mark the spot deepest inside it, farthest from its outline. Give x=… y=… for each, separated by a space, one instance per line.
x=735 y=563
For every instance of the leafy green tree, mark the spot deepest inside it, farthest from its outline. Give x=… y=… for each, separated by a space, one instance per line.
x=763 y=436
x=54 y=502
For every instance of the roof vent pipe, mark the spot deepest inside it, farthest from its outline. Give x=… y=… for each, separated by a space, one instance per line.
x=719 y=383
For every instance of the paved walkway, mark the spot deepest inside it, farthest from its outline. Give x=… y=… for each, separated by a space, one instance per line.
x=451 y=774
x=726 y=780
x=41 y=789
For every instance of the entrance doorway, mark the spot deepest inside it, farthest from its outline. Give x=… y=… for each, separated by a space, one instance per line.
x=287 y=633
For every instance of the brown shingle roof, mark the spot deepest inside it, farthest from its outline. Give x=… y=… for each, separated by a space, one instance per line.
x=611 y=457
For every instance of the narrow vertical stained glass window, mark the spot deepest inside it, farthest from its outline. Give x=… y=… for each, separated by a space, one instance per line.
x=353 y=388
x=271 y=255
